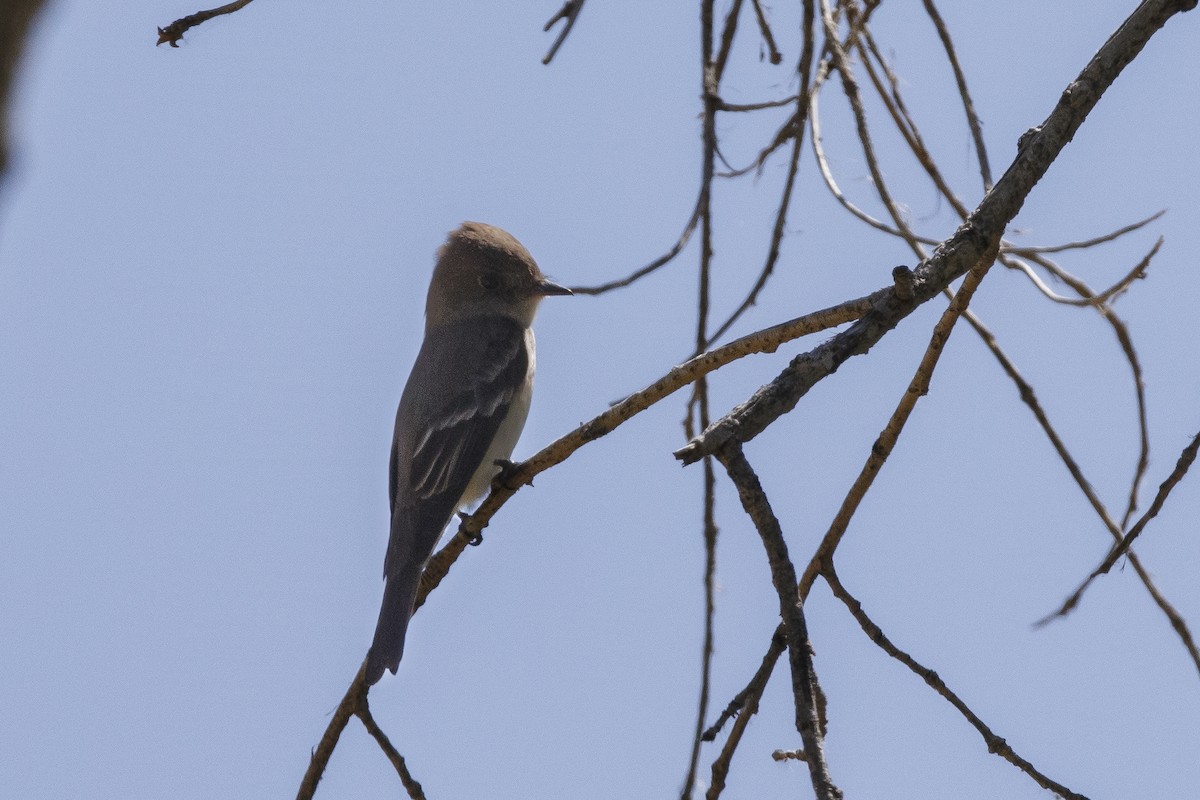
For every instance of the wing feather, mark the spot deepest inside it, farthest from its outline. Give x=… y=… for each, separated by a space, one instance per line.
x=460 y=391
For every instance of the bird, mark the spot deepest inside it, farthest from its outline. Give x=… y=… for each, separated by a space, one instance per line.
x=461 y=411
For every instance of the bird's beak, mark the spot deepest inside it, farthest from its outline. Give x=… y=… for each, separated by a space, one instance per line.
x=548 y=287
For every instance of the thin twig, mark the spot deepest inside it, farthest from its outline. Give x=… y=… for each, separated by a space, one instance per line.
x=893 y=101
x=1091 y=300
x=755 y=687
x=570 y=13
x=654 y=265
x=985 y=170
x=747 y=706
x=738 y=107
x=728 y=32
x=773 y=51
x=917 y=388
x=818 y=146
x=1121 y=548
x=804 y=68
x=410 y=783
x=995 y=744
x=174 y=32
x=1029 y=397
x=346 y=709
x=710 y=73
x=1018 y=250
x=1125 y=340
x=841 y=63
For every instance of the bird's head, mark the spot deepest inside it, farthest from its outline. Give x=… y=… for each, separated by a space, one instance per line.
x=482 y=269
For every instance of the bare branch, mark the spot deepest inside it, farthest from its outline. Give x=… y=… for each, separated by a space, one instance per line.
x=662 y=260
x=355 y=696
x=802 y=105
x=979 y=236
x=710 y=76
x=917 y=388
x=746 y=707
x=985 y=170
x=1018 y=250
x=995 y=744
x=1181 y=467
x=773 y=51
x=818 y=146
x=570 y=13
x=415 y=792
x=791 y=609
x=1091 y=300
x=1030 y=399
x=841 y=63
x=754 y=688
x=174 y=32
x=893 y=101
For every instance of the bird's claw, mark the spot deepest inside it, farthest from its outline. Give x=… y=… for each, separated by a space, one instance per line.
x=504 y=478
x=474 y=539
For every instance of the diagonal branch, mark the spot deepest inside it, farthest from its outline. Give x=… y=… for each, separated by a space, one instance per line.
x=1121 y=548
x=1029 y=397
x=174 y=32
x=918 y=387
x=995 y=744
x=985 y=169
x=415 y=792
x=355 y=696
x=654 y=265
x=744 y=706
x=783 y=576
x=570 y=13
x=764 y=341
x=978 y=236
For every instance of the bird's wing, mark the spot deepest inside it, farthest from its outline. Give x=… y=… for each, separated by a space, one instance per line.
x=446 y=423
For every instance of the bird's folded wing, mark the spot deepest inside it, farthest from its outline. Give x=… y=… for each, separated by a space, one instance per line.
x=460 y=391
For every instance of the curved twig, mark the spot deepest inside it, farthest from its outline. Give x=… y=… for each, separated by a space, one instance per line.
x=1091 y=300
x=1019 y=250
x=654 y=265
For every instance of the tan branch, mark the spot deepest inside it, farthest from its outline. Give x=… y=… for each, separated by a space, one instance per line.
x=918 y=387
x=1092 y=300
x=355 y=696
x=764 y=341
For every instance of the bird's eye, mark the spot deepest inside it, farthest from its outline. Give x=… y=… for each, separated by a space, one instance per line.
x=489 y=281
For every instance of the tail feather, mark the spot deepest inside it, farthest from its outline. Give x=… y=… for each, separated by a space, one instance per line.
x=399 y=594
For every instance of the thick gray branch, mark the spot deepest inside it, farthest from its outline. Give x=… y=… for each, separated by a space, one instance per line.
x=978 y=238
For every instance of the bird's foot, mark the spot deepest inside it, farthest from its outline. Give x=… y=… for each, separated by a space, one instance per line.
x=476 y=538
x=506 y=477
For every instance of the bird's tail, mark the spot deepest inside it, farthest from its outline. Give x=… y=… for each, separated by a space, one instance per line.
x=399 y=594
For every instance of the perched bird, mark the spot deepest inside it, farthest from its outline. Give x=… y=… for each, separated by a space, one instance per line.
x=462 y=410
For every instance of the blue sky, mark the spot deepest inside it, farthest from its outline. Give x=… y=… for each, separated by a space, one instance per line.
x=213 y=262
